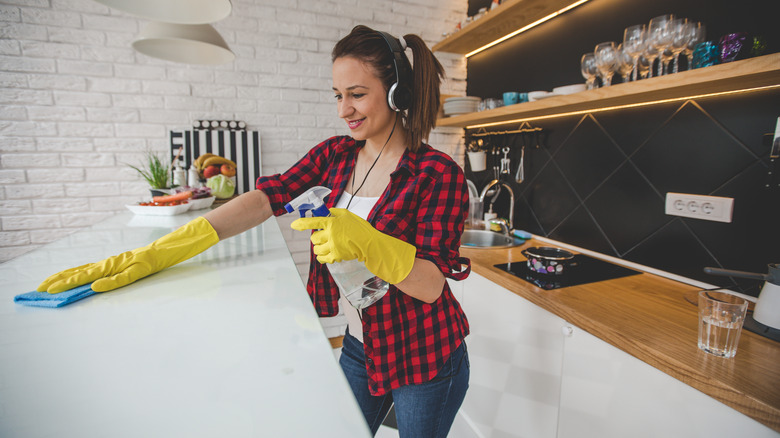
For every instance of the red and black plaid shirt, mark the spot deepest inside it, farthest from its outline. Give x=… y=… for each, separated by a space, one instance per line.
x=406 y=341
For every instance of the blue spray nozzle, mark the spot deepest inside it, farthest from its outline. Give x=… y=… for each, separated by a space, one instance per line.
x=312 y=200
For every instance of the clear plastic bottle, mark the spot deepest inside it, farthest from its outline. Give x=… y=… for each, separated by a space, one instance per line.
x=357 y=283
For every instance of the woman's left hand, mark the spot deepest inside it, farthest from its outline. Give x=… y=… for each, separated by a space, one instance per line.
x=346 y=236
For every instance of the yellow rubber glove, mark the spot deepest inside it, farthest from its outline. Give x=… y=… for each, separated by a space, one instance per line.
x=188 y=241
x=346 y=236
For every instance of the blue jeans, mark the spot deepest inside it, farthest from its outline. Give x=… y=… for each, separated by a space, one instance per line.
x=421 y=411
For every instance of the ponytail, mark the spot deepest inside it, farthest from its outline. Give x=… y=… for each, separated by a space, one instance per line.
x=426 y=80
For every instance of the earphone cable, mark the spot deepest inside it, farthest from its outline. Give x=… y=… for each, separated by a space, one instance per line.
x=370 y=168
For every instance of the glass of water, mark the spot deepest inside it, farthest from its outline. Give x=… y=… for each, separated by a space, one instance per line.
x=721 y=316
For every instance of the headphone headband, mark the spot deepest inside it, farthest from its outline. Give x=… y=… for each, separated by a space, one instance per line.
x=399 y=96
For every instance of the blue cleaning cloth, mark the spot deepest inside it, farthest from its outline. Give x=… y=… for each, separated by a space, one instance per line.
x=45 y=299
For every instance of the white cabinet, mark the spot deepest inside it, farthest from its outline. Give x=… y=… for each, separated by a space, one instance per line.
x=515 y=349
x=605 y=392
x=535 y=375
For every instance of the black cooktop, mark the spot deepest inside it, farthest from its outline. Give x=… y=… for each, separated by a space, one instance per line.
x=587 y=270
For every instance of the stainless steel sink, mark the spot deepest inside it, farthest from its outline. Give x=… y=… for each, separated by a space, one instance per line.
x=488 y=239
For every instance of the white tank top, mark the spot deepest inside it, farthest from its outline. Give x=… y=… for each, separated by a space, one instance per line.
x=361 y=206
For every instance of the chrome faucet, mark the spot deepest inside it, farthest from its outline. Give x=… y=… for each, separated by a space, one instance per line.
x=511 y=197
x=503 y=224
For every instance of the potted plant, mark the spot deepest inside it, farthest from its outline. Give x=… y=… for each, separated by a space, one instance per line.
x=156 y=173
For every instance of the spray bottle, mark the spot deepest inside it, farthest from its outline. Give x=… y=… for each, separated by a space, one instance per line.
x=356 y=282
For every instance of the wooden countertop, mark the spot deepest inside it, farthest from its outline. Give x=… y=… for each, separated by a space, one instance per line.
x=648 y=317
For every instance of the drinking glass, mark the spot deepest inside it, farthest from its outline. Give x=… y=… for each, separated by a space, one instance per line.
x=660 y=36
x=634 y=44
x=643 y=66
x=732 y=46
x=650 y=55
x=681 y=34
x=665 y=57
x=588 y=69
x=721 y=317
x=606 y=61
x=706 y=54
x=698 y=35
x=625 y=63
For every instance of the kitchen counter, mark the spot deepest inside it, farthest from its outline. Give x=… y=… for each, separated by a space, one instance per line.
x=224 y=344
x=649 y=317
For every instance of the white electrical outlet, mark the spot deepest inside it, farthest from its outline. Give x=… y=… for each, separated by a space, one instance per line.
x=709 y=208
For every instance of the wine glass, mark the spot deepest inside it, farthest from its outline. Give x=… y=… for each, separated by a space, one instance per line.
x=643 y=66
x=625 y=63
x=650 y=55
x=659 y=36
x=588 y=69
x=666 y=56
x=681 y=33
x=698 y=35
x=606 y=61
x=634 y=43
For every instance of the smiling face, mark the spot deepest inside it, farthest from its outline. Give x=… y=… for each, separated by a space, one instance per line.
x=362 y=100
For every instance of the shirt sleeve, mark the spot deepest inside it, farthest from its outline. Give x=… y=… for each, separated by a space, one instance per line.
x=441 y=218
x=308 y=172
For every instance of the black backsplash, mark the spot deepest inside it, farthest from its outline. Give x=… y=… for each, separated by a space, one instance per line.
x=599 y=180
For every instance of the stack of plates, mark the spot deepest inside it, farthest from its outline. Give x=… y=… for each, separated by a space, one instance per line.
x=461 y=105
x=569 y=89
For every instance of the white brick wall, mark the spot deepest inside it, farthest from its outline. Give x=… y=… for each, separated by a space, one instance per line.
x=77 y=103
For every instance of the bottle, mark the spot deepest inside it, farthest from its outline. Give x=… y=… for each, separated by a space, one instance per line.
x=361 y=287
x=193 y=178
x=488 y=216
x=494 y=4
x=179 y=176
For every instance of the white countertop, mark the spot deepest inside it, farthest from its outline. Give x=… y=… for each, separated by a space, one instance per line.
x=224 y=344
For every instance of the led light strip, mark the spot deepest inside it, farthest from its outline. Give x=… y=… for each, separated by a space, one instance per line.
x=630 y=105
x=523 y=29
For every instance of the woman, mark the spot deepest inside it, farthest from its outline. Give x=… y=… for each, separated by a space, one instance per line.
x=396 y=204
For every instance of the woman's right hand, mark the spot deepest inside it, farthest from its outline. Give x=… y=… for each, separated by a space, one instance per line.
x=189 y=240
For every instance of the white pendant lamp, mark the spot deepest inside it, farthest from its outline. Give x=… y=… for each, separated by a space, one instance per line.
x=186 y=43
x=174 y=11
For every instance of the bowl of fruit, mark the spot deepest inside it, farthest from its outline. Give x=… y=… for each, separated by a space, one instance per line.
x=219 y=174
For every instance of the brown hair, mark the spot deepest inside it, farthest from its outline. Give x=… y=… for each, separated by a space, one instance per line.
x=367 y=45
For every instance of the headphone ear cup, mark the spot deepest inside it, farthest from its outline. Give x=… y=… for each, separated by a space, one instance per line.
x=399 y=97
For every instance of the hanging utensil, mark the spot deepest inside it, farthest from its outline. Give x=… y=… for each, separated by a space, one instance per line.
x=505 y=162
x=520 y=175
x=495 y=162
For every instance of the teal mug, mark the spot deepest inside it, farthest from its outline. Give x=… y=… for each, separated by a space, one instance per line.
x=513 y=97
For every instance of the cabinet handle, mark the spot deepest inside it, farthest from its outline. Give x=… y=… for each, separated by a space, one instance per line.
x=567 y=331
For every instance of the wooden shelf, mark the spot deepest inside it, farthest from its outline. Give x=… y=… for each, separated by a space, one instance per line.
x=505 y=19
x=750 y=73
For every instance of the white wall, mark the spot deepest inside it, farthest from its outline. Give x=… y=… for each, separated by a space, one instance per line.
x=77 y=103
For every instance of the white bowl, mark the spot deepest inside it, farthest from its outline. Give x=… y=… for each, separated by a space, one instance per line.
x=199 y=204
x=569 y=89
x=162 y=210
